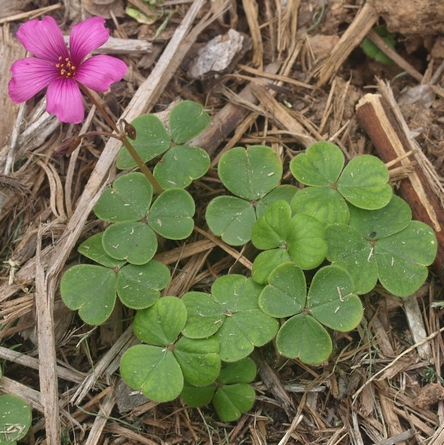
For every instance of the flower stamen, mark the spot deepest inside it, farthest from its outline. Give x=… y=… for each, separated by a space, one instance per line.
x=65 y=67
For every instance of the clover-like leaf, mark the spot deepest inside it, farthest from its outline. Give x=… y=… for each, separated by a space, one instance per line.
x=171 y=214
x=154 y=370
x=305 y=242
x=238 y=335
x=403 y=258
x=319 y=166
x=271 y=230
x=299 y=239
x=250 y=173
x=280 y=193
x=285 y=295
x=195 y=396
x=332 y=301
x=93 y=249
x=131 y=241
x=139 y=287
x=364 y=183
x=350 y=250
x=15 y=419
x=198 y=359
x=231 y=218
x=205 y=315
x=242 y=371
x=266 y=262
x=304 y=338
x=383 y=245
x=127 y=200
x=231 y=401
x=383 y=222
x=324 y=204
x=90 y=289
x=180 y=166
x=187 y=120
x=161 y=323
x=152 y=140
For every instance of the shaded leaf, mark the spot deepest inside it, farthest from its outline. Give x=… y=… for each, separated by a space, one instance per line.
x=153 y=370
x=134 y=242
x=187 y=120
x=171 y=215
x=250 y=173
x=180 y=166
x=127 y=200
x=139 y=286
x=320 y=165
x=231 y=218
x=152 y=140
x=304 y=338
x=161 y=323
x=91 y=290
x=231 y=401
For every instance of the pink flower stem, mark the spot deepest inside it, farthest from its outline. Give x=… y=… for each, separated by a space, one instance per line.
x=145 y=170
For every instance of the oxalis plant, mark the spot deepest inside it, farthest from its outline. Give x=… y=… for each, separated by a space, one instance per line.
x=196 y=345
x=319 y=245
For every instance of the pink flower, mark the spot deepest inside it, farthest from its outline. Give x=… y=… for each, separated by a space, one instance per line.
x=61 y=69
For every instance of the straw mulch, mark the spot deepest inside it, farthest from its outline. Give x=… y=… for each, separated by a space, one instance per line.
x=296 y=78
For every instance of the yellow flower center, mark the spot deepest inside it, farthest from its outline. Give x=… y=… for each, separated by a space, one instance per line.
x=65 y=67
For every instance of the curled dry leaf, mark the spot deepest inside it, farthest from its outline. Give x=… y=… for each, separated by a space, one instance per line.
x=104 y=8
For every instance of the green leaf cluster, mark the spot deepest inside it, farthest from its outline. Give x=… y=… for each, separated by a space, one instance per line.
x=197 y=346
x=384 y=245
x=171 y=363
x=136 y=221
x=330 y=302
x=252 y=175
x=362 y=183
x=136 y=218
x=180 y=164
x=349 y=217
x=92 y=289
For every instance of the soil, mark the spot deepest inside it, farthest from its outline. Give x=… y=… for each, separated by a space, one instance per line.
x=294 y=73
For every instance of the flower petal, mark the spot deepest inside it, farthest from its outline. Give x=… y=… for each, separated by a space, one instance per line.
x=99 y=72
x=87 y=36
x=29 y=76
x=43 y=38
x=65 y=101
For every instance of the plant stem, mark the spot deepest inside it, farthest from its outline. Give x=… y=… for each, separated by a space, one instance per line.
x=125 y=141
